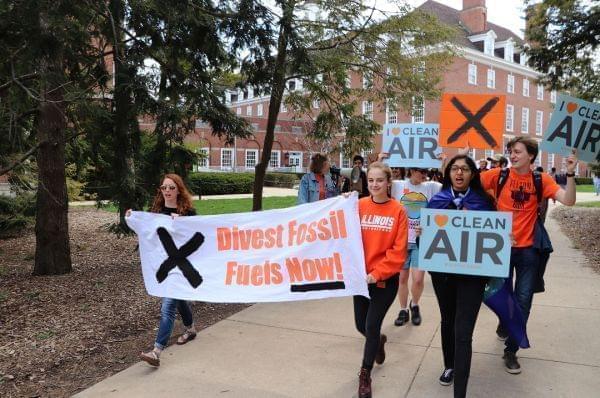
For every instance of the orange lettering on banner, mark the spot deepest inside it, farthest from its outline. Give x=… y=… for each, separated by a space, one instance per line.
x=256 y=275
x=474 y=120
x=333 y=226
x=249 y=239
x=312 y=269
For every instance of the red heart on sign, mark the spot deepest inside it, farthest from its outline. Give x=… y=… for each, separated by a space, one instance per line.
x=571 y=107
x=441 y=220
x=395 y=131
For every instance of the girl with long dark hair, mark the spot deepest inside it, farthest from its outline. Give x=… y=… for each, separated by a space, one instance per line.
x=459 y=296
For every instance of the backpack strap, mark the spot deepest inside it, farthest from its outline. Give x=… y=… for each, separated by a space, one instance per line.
x=502 y=181
x=537 y=183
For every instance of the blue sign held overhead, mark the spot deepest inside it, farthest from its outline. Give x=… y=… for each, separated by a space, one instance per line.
x=575 y=123
x=411 y=145
x=465 y=242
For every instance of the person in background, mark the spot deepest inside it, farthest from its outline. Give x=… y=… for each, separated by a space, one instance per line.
x=482 y=165
x=385 y=252
x=519 y=197
x=498 y=161
x=596 y=180
x=459 y=296
x=398 y=173
x=172 y=199
x=361 y=184
x=317 y=184
x=414 y=193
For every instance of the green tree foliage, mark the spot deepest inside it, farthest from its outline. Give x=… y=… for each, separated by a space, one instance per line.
x=564 y=37
x=320 y=43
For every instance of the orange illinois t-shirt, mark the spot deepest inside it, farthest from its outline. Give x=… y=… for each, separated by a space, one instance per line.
x=519 y=197
x=384 y=228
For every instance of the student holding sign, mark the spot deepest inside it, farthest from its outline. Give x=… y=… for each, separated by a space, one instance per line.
x=172 y=199
x=515 y=190
x=459 y=296
x=414 y=194
x=384 y=229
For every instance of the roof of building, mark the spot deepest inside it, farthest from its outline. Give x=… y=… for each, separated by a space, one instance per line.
x=451 y=16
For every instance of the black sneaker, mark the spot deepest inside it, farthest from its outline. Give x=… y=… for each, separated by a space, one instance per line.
x=501 y=333
x=402 y=318
x=510 y=363
x=447 y=377
x=415 y=314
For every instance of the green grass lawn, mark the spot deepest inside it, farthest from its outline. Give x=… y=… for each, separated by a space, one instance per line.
x=585 y=188
x=226 y=206
x=588 y=204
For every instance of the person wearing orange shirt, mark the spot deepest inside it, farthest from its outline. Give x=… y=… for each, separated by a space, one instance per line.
x=518 y=196
x=384 y=227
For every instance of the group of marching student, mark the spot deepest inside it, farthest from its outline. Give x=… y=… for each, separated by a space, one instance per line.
x=392 y=250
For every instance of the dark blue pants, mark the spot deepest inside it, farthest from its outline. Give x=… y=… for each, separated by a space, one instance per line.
x=524 y=263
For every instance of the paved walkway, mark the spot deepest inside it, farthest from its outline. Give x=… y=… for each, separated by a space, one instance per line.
x=311 y=349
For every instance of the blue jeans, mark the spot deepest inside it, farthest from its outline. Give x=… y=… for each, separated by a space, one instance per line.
x=524 y=262
x=167 y=319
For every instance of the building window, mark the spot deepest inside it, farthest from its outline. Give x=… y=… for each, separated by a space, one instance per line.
x=345 y=162
x=292 y=85
x=525 y=88
x=510 y=84
x=274 y=161
x=367 y=80
x=488 y=46
x=553 y=96
x=297 y=130
x=550 y=161
x=525 y=120
x=540 y=92
x=491 y=78
x=226 y=158
x=316 y=104
x=283 y=107
x=249 y=110
x=509 y=51
x=510 y=117
x=488 y=153
x=418 y=110
x=204 y=161
x=472 y=77
x=538 y=159
x=368 y=109
x=251 y=158
x=295 y=159
x=238 y=111
x=259 y=110
x=539 y=120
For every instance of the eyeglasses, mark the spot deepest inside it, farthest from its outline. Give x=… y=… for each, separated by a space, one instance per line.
x=169 y=187
x=464 y=169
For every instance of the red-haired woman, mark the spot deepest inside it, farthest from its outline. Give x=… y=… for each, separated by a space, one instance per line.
x=172 y=199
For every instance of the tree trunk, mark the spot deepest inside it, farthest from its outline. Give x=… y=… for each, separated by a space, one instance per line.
x=52 y=250
x=278 y=86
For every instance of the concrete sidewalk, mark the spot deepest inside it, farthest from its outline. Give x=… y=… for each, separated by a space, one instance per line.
x=311 y=349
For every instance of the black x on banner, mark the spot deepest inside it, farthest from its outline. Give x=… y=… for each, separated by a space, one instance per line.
x=178 y=257
x=474 y=121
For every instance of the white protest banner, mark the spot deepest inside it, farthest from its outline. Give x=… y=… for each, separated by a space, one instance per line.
x=411 y=145
x=304 y=252
x=465 y=242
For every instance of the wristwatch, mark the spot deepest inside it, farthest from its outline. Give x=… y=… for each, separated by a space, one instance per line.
x=570 y=174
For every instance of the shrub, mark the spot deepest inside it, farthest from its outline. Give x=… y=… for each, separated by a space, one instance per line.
x=282 y=180
x=583 y=181
x=16 y=213
x=207 y=183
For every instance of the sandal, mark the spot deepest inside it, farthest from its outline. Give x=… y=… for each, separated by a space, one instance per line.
x=186 y=337
x=151 y=358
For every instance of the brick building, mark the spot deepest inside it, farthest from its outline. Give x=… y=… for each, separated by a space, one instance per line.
x=490 y=61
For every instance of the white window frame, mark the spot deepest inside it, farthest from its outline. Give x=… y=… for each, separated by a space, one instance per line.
x=510 y=84
x=247 y=164
x=472 y=74
x=539 y=122
x=231 y=158
x=238 y=111
x=510 y=117
x=538 y=159
x=418 y=114
x=391 y=115
x=525 y=120
x=491 y=78
x=275 y=160
x=283 y=107
x=249 y=110
x=553 y=96
x=345 y=163
x=316 y=104
x=367 y=80
x=203 y=163
x=259 y=109
x=525 y=87
x=550 y=162
x=367 y=109
x=540 y=92
x=295 y=155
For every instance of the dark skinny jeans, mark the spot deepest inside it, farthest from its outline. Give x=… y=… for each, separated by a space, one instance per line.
x=459 y=298
x=369 y=314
